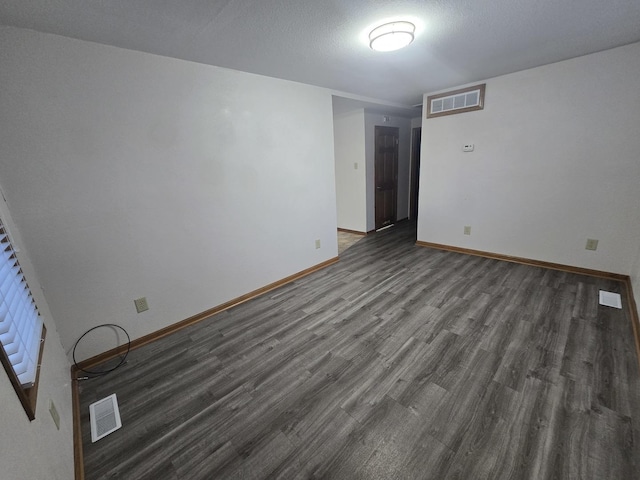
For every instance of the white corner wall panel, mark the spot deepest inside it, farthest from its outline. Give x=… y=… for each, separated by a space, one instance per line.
x=555 y=163
x=635 y=277
x=348 y=128
x=37 y=449
x=136 y=175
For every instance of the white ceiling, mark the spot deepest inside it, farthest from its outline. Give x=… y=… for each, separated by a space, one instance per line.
x=321 y=42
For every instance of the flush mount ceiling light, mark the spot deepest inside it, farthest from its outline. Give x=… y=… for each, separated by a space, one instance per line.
x=391 y=36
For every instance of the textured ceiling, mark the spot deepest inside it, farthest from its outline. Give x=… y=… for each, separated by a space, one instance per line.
x=321 y=42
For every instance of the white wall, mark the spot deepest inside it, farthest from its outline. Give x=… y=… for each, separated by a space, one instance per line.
x=136 y=175
x=373 y=119
x=351 y=196
x=37 y=449
x=555 y=163
x=635 y=278
x=415 y=123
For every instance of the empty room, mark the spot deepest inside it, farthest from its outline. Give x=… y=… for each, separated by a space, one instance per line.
x=295 y=239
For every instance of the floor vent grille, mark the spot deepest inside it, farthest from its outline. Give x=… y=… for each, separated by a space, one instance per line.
x=610 y=299
x=105 y=417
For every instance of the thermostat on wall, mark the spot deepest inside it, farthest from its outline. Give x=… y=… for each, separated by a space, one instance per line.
x=468 y=147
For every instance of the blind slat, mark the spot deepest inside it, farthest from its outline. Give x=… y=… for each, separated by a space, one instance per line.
x=20 y=323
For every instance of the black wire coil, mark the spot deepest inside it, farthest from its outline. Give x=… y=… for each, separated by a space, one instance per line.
x=102 y=372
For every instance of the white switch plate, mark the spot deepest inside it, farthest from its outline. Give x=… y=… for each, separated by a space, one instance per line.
x=467 y=230
x=317 y=244
x=468 y=147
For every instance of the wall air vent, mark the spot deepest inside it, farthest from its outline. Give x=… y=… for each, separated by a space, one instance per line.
x=457 y=101
x=105 y=417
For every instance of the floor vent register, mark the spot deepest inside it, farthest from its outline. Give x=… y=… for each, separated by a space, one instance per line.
x=105 y=417
x=610 y=299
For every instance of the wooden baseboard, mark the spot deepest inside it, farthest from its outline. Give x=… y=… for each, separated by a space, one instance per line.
x=139 y=342
x=625 y=279
x=355 y=232
x=635 y=320
x=78 y=455
x=77 y=432
x=527 y=261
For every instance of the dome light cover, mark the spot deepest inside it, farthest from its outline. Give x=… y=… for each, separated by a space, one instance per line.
x=391 y=36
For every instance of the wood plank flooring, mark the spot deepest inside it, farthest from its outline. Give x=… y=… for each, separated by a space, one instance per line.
x=347 y=239
x=399 y=362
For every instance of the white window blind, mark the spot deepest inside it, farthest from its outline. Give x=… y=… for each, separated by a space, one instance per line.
x=20 y=322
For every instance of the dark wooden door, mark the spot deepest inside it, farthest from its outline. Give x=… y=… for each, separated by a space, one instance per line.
x=386 y=175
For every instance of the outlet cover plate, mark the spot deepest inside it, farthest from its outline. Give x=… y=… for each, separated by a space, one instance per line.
x=141 y=304
x=54 y=414
x=467 y=230
x=592 y=244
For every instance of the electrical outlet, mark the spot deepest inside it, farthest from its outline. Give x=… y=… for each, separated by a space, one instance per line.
x=141 y=304
x=592 y=244
x=317 y=244
x=54 y=414
x=467 y=230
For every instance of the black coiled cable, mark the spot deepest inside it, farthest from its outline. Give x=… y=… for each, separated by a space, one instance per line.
x=102 y=372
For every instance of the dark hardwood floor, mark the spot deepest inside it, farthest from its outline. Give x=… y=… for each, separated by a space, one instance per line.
x=399 y=362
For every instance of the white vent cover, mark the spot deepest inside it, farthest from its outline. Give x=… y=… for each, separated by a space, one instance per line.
x=456 y=101
x=610 y=299
x=105 y=417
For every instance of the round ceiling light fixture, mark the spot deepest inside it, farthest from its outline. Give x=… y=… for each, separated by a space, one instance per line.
x=391 y=36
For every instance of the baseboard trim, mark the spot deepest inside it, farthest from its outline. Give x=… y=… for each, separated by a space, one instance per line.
x=526 y=261
x=78 y=455
x=139 y=342
x=635 y=320
x=355 y=232
x=625 y=279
